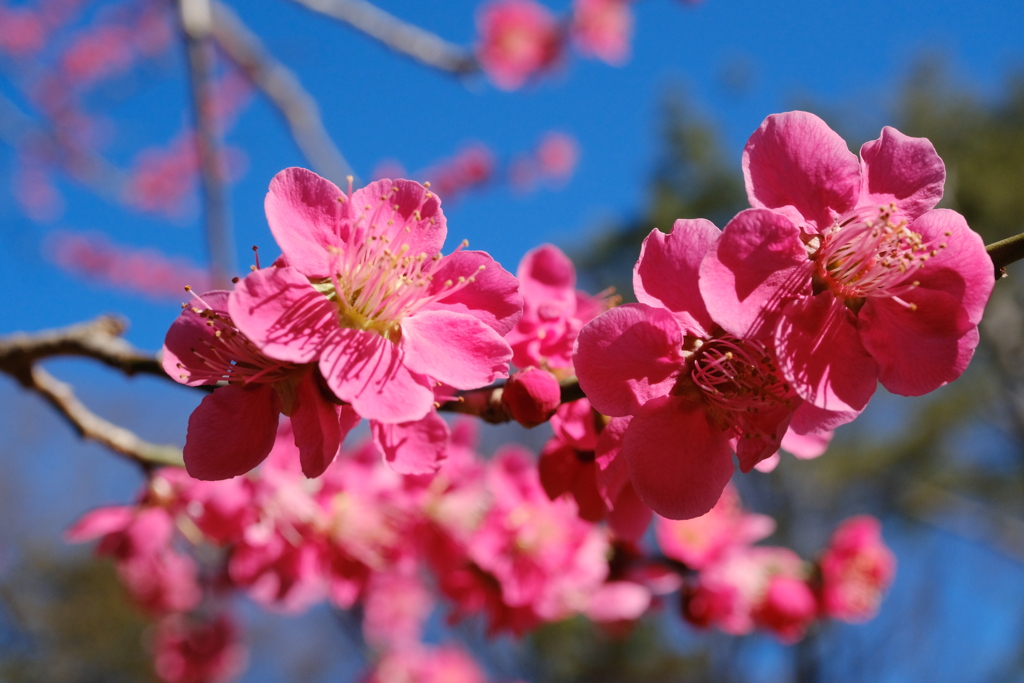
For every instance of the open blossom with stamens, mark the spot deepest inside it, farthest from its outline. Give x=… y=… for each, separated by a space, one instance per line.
x=363 y=292
x=696 y=392
x=234 y=428
x=845 y=268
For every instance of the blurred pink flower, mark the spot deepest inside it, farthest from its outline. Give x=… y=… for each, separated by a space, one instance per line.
x=557 y=156
x=190 y=651
x=856 y=569
x=518 y=40
x=603 y=29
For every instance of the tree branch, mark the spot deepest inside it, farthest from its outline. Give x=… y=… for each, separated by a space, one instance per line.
x=283 y=89
x=97 y=339
x=196 y=23
x=1005 y=252
x=400 y=36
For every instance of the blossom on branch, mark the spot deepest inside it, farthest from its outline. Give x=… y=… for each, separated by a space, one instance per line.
x=518 y=40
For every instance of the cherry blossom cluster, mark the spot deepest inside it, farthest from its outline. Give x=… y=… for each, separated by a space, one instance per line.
x=841 y=275
x=484 y=535
x=737 y=587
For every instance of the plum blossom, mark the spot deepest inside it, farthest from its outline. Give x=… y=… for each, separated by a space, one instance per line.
x=363 y=293
x=695 y=393
x=845 y=267
x=189 y=651
x=856 y=569
x=554 y=311
x=531 y=396
x=234 y=428
x=603 y=29
x=518 y=40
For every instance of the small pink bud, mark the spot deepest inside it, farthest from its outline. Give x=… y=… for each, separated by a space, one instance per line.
x=531 y=396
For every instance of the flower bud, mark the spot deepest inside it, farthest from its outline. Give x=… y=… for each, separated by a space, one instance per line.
x=531 y=396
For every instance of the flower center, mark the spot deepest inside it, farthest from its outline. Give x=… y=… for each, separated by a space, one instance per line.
x=867 y=253
x=377 y=279
x=739 y=376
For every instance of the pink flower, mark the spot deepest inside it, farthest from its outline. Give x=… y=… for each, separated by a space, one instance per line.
x=787 y=609
x=554 y=311
x=557 y=156
x=846 y=267
x=186 y=651
x=695 y=393
x=518 y=39
x=567 y=462
x=235 y=427
x=418 y=664
x=856 y=570
x=603 y=29
x=531 y=396
x=395 y=608
x=363 y=292
x=700 y=542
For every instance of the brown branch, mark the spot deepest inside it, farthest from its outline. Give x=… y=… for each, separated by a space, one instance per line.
x=400 y=36
x=98 y=339
x=283 y=89
x=1005 y=252
x=196 y=23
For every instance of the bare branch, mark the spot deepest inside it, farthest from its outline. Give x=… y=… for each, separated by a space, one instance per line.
x=196 y=22
x=95 y=428
x=1005 y=252
x=283 y=89
x=402 y=37
x=98 y=339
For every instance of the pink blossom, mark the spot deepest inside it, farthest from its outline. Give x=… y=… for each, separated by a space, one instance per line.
x=628 y=516
x=568 y=461
x=235 y=427
x=603 y=29
x=395 y=608
x=189 y=651
x=845 y=267
x=856 y=569
x=531 y=396
x=700 y=542
x=787 y=609
x=554 y=311
x=363 y=293
x=22 y=31
x=518 y=40
x=732 y=592
x=695 y=394
x=446 y=664
x=557 y=155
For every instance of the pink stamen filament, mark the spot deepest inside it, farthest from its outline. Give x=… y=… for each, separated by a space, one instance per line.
x=867 y=254
x=739 y=376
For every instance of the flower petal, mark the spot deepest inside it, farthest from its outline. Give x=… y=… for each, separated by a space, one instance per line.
x=753 y=270
x=454 y=348
x=963 y=269
x=795 y=159
x=319 y=426
x=231 y=431
x=678 y=462
x=417 y=447
x=369 y=372
x=305 y=213
x=918 y=351
x=899 y=169
x=822 y=356
x=629 y=516
x=188 y=333
x=547 y=275
x=806 y=446
x=282 y=314
x=628 y=356
x=410 y=213
x=494 y=297
x=666 y=274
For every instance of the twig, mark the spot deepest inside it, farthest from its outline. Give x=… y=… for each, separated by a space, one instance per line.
x=196 y=22
x=402 y=37
x=283 y=89
x=97 y=339
x=1005 y=252
x=95 y=428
